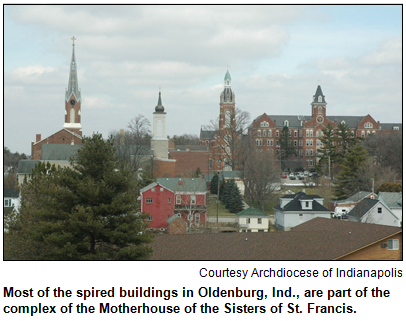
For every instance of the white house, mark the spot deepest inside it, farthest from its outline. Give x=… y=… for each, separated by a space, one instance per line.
x=299 y=208
x=11 y=199
x=343 y=207
x=375 y=212
x=252 y=220
x=394 y=201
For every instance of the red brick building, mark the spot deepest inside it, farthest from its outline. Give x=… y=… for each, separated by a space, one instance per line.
x=305 y=132
x=72 y=128
x=184 y=197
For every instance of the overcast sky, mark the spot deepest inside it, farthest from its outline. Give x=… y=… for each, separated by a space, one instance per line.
x=277 y=55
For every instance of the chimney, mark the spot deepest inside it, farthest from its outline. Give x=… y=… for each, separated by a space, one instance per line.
x=38 y=138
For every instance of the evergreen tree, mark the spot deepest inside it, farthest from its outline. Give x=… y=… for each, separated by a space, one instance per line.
x=214 y=184
x=286 y=148
x=86 y=212
x=345 y=141
x=234 y=203
x=348 y=180
x=227 y=193
x=222 y=189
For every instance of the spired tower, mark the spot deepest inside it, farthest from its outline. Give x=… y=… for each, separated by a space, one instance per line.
x=227 y=103
x=159 y=142
x=73 y=99
x=319 y=105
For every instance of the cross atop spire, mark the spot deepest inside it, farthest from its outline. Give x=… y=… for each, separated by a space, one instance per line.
x=73 y=39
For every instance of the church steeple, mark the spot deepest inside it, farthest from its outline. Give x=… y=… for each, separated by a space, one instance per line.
x=73 y=86
x=73 y=100
x=159 y=108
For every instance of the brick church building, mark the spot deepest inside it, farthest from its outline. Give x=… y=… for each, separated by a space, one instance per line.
x=71 y=132
x=305 y=131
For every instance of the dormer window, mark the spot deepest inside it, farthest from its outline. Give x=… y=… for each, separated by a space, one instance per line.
x=396 y=128
x=368 y=125
x=320 y=99
x=264 y=124
x=286 y=123
x=343 y=122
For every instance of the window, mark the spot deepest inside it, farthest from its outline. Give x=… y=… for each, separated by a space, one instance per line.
x=248 y=220
x=319 y=133
x=197 y=218
x=193 y=199
x=311 y=132
x=295 y=133
x=190 y=217
x=295 y=142
x=178 y=199
x=269 y=133
x=368 y=125
x=169 y=201
x=277 y=133
x=311 y=162
x=311 y=152
x=264 y=133
x=396 y=128
x=379 y=210
x=149 y=201
x=6 y=203
x=211 y=163
x=342 y=122
x=153 y=189
x=259 y=133
x=207 y=143
x=264 y=124
x=320 y=99
x=309 y=142
x=363 y=133
x=268 y=142
x=149 y=218
x=259 y=220
x=286 y=123
x=161 y=189
x=393 y=244
x=320 y=110
x=307 y=204
x=259 y=142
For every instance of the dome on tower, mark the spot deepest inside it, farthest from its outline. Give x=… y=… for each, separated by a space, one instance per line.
x=159 y=108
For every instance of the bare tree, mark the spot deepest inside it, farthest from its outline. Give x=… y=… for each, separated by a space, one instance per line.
x=229 y=138
x=372 y=175
x=186 y=139
x=261 y=175
x=387 y=149
x=133 y=145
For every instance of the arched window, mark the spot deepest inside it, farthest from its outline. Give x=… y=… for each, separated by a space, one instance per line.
x=286 y=123
x=259 y=133
x=320 y=99
x=343 y=122
x=320 y=110
x=72 y=116
x=228 y=119
x=270 y=133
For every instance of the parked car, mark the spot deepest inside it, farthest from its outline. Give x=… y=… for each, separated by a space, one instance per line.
x=313 y=173
x=292 y=176
x=306 y=173
x=284 y=175
x=300 y=175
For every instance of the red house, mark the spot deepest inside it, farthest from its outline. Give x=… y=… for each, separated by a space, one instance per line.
x=184 y=197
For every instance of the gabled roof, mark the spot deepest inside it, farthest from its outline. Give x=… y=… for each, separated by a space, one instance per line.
x=350 y=121
x=251 y=212
x=59 y=151
x=11 y=193
x=295 y=206
x=207 y=134
x=63 y=129
x=193 y=185
x=393 y=200
x=356 y=197
x=362 y=208
x=317 y=239
x=26 y=166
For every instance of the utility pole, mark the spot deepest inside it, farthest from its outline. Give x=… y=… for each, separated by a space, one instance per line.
x=218 y=198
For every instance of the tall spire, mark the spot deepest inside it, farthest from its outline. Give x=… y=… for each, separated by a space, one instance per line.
x=73 y=86
x=318 y=96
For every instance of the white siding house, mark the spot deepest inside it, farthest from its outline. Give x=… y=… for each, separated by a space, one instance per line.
x=252 y=220
x=297 y=209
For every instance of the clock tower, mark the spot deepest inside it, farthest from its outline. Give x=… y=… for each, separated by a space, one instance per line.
x=73 y=100
x=227 y=104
